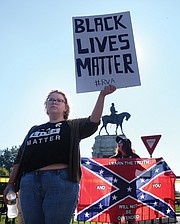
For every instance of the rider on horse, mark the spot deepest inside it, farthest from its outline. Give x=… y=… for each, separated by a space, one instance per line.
x=113 y=112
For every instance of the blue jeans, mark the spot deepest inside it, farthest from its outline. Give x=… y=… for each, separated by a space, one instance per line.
x=48 y=197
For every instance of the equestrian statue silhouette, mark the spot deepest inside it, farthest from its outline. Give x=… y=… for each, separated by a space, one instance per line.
x=115 y=119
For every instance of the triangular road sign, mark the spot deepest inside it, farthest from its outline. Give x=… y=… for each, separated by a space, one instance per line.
x=150 y=142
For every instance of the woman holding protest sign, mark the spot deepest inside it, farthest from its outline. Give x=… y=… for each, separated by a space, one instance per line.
x=49 y=187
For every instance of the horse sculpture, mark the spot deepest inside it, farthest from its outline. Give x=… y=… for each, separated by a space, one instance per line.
x=118 y=120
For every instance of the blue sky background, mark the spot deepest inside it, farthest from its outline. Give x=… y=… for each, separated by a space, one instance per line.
x=36 y=56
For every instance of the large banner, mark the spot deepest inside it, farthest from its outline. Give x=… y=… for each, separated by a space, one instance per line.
x=104 y=52
x=122 y=190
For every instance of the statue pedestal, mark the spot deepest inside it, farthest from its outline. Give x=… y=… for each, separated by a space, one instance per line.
x=104 y=146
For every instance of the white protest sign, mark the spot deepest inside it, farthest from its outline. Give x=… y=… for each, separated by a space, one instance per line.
x=104 y=52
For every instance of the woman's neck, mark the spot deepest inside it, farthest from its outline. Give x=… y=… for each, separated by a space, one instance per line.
x=55 y=119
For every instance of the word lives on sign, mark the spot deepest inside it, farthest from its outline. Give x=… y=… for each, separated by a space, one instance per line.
x=104 y=51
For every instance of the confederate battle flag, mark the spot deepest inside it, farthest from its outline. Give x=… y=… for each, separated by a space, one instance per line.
x=120 y=190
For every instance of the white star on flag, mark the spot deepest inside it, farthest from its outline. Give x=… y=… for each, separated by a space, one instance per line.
x=168 y=211
x=86 y=214
x=142 y=196
x=129 y=189
x=155 y=203
x=101 y=171
x=115 y=180
x=100 y=206
x=142 y=180
x=114 y=197
x=88 y=163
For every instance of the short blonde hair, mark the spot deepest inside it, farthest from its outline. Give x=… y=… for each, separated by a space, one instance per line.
x=67 y=112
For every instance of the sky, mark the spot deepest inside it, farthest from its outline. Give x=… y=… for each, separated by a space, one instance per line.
x=37 y=55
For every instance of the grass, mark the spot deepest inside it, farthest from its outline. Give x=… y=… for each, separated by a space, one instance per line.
x=177 y=209
x=2 y=221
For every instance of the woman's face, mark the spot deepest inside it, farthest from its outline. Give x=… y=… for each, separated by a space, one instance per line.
x=120 y=147
x=56 y=105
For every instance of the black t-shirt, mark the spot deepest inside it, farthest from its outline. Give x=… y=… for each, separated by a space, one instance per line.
x=48 y=144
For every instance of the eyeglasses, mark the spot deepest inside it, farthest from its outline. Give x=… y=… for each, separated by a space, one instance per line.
x=58 y=101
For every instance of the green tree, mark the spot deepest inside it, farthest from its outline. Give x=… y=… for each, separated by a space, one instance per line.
x=4 y=172
x=7 y=158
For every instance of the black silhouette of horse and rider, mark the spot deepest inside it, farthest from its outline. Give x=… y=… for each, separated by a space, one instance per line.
x=114 y=118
